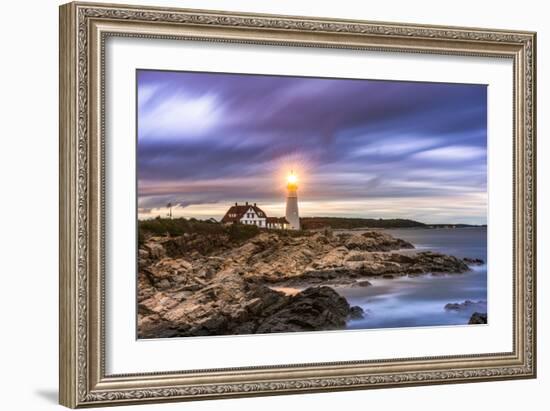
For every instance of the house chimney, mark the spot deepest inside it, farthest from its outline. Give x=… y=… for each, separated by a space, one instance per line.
x=254 y=204
x=246 y=203
x=236 y=204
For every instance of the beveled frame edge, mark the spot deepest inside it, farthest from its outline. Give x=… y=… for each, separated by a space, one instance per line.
x=83 y=27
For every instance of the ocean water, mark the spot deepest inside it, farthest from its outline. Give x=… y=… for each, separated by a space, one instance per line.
x=420 y=300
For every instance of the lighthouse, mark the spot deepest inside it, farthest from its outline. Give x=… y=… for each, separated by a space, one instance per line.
x=292 y=214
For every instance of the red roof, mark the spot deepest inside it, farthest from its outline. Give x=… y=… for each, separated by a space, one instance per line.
x=236 y=212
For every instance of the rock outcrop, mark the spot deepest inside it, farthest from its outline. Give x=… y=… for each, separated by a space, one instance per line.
x=231 y=305
x=375 y=241
x=466 y=305
x=478 y=318
x=473 y=261
x=356 y=313
x=195 y=285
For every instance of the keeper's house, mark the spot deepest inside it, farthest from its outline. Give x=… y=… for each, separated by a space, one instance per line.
x=253 y=215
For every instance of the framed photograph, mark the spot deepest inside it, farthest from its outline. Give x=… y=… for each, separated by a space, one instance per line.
x=259 y=204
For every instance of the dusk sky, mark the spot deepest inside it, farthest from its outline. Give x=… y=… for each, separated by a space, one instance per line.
x=360 y=148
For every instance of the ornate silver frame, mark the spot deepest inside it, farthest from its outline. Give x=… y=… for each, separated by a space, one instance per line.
x=83 y=30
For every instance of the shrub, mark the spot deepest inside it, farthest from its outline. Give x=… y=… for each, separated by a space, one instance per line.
x=176 y=227
x=241 y=232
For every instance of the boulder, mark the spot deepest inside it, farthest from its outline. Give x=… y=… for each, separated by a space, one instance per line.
x=154 y=249
x=478 y=318
x=314 y=309
x=431 y=262
x=468 y=304
x=356 y=313
x=362 y=283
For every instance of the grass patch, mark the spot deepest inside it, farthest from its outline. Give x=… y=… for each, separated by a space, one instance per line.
x=177 y=227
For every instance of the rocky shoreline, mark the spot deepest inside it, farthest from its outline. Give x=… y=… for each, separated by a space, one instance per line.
x=195 y=284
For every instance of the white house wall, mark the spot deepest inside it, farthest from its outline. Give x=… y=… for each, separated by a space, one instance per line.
x=252 y=218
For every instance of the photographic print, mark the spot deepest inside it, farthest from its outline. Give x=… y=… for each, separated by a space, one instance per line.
x=271 y=204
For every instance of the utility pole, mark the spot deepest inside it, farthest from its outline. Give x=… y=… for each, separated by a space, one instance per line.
x=169 y=205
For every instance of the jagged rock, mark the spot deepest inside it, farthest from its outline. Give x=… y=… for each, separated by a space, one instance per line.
x=316 y=308
x=168 y=267
x=468 y=304
x=478 y=318
x=154 y=249
x=157 y=303
x=356 y=313
x=402 y=258
x=356 y=256
x=168 y=273
x=197 y=285
x=473 y=261
x=429 y=261
x=143 y=254
x=376 y=241
x=363 y=283
x=232 y=306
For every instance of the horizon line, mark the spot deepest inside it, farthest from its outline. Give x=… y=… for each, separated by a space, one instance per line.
x=348 y=218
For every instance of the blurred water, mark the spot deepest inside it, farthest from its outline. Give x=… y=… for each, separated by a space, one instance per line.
x=420 y=301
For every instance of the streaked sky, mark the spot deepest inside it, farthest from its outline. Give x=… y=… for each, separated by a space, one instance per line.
x=360 y=148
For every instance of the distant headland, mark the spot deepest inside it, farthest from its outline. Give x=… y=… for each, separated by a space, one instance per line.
x=313 y=223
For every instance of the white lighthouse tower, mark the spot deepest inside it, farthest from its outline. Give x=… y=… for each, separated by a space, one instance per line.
x=292 y=214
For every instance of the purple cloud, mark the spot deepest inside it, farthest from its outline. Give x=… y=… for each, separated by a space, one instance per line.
x=208 y=138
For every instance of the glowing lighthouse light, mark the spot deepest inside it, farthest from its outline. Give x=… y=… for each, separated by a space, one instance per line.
x=292 y=179
x=292 y=215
